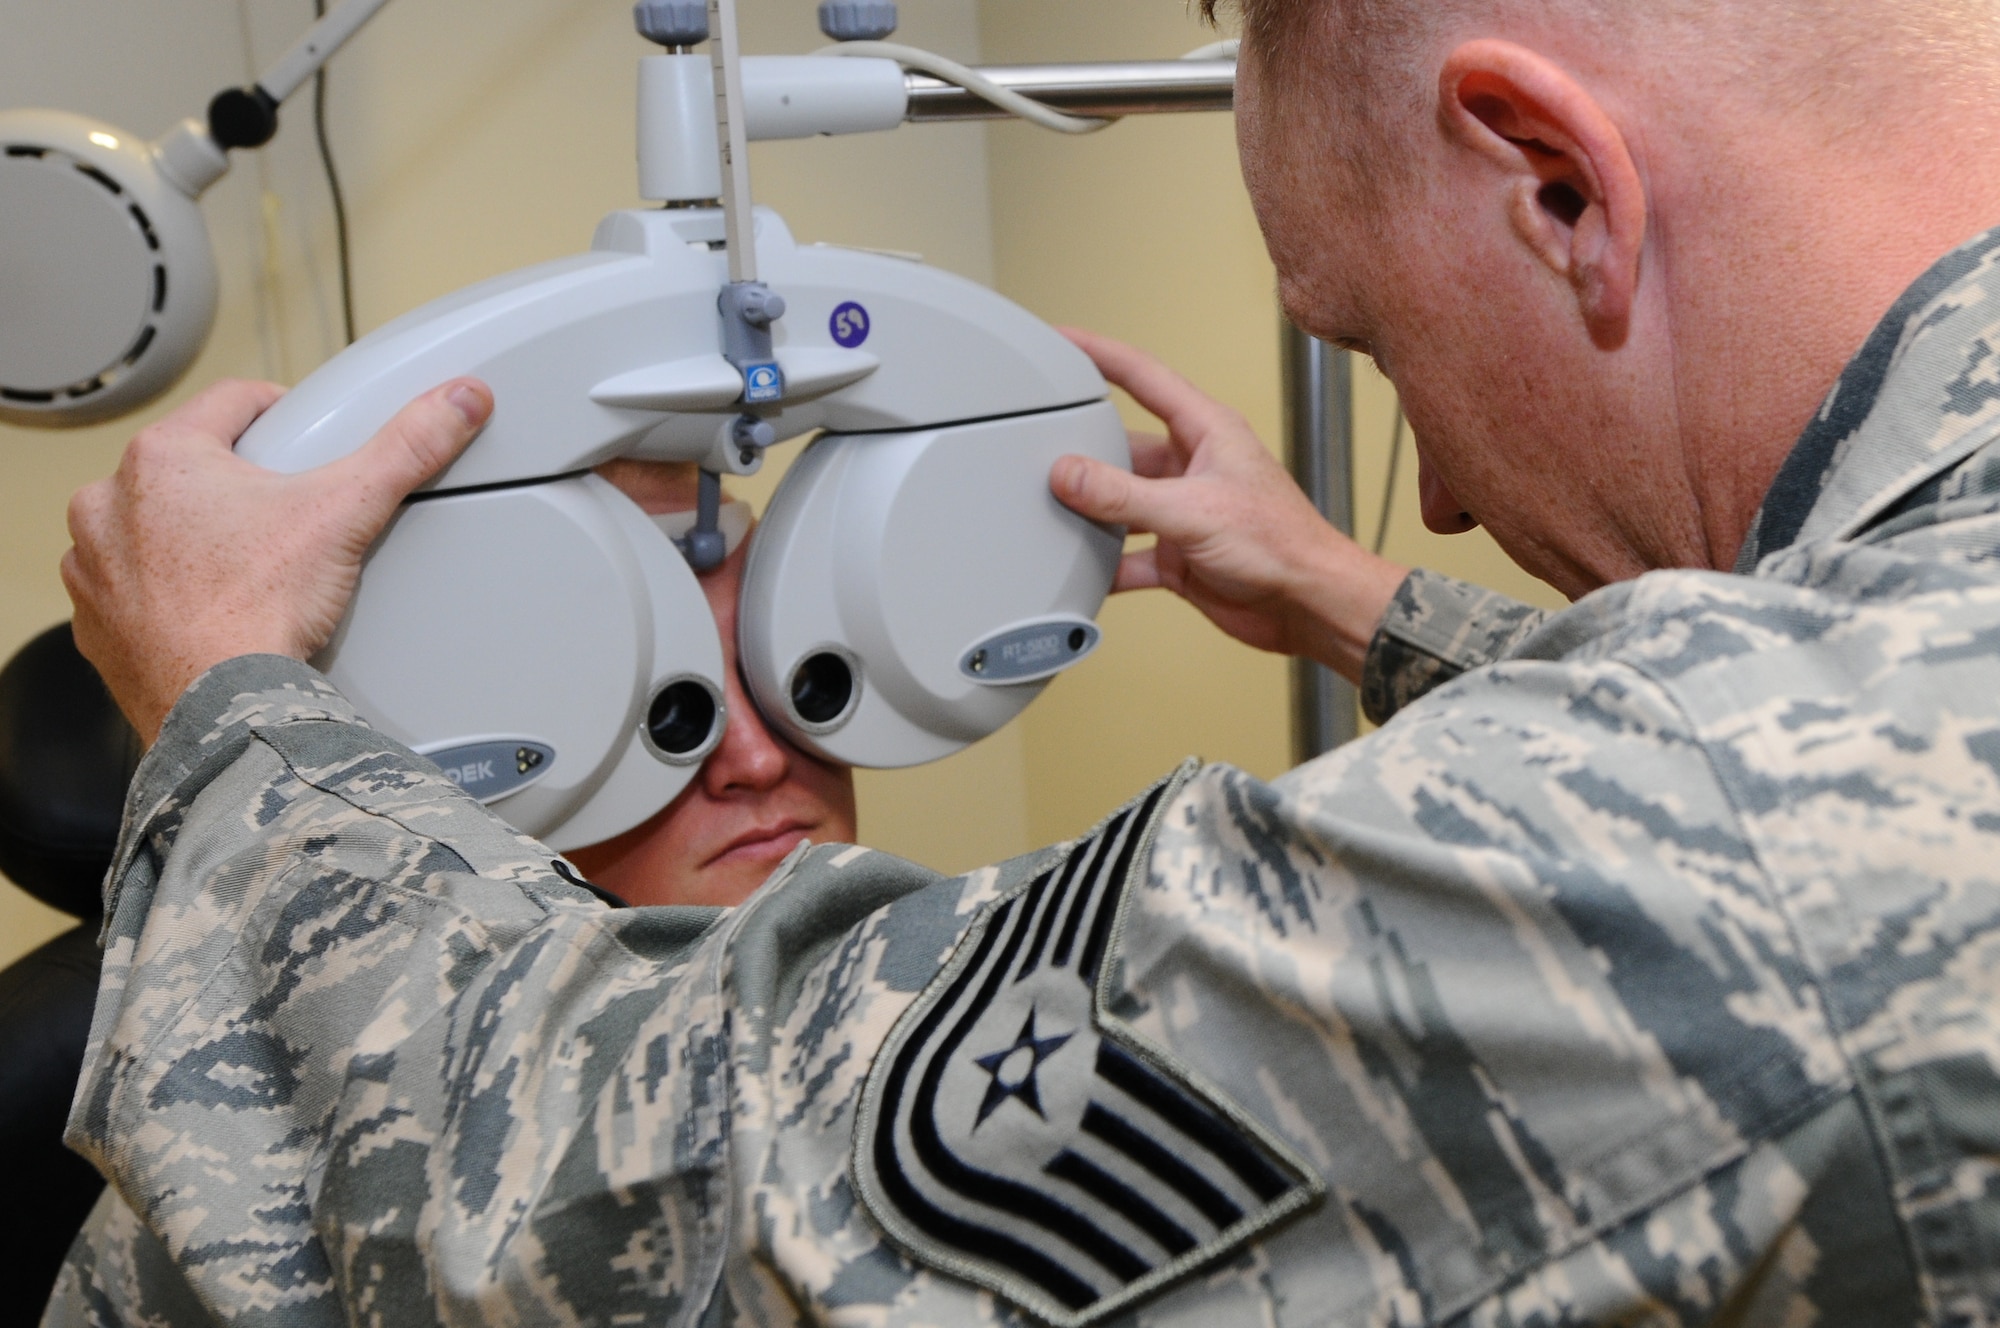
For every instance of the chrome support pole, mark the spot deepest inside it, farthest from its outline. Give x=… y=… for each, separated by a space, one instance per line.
x=1319 y=449
x=1126 y=87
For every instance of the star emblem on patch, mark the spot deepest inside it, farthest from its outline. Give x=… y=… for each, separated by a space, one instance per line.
x=1014 y=1134
x=1013 y=1070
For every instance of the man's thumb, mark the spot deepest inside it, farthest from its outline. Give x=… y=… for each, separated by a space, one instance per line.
x=424 y=437
x=1093 y=489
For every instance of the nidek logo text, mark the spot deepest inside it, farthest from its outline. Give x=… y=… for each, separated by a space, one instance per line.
x=491 y=768
x=477 y=772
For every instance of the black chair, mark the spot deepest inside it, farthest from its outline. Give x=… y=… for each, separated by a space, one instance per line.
x=66 y=757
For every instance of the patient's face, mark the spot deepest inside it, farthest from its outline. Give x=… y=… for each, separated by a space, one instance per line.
x=757 y=796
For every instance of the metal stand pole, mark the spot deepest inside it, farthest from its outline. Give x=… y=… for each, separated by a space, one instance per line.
x=1319 y=449
x=1122 y=87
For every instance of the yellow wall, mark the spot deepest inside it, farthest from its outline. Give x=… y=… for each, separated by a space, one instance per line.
x=1144 y=231
x=477 y=136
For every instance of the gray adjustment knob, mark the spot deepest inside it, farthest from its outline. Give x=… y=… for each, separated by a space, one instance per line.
x=857 y=20
x=672 y=22
x=763 y=306
x=749 y=431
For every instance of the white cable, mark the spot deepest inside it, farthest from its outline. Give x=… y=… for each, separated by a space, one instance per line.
x=951 y=71
x=1216 y=50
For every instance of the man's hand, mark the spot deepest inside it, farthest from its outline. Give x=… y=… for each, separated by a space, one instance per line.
x=1237 y=539
x=189 y=555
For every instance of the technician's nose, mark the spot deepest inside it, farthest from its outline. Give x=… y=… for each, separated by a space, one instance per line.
x=750 y=758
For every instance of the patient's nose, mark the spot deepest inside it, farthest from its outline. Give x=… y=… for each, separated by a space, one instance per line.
x=750 y=757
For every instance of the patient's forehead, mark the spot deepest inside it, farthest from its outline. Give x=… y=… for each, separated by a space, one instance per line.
x=657 y=486
x=672 y=488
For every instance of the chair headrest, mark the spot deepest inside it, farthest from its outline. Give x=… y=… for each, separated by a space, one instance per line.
x=66 y=757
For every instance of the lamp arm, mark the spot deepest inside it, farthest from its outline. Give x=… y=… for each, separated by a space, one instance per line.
x=316 y=47
x=248 y=117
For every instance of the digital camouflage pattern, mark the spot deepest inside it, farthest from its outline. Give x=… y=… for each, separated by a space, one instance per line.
x=1435 y=628
x=1650 y=974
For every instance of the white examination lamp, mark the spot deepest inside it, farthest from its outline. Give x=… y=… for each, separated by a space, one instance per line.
x=107 y=278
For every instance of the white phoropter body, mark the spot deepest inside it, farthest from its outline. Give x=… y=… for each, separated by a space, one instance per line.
x=521 y=621
x=913 y=588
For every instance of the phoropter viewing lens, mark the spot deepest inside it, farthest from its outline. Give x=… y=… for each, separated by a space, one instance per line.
x=822 y=686
x=681 y=717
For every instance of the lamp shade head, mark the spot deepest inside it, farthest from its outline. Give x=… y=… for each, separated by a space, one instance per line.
x=107 y=280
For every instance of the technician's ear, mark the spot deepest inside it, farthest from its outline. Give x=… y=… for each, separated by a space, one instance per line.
x=1574 y=194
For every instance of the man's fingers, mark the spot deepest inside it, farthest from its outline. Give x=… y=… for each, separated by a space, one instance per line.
x=1186 y=410
x=423 y=438
x=1143 y=506
x=84 y=506
x=1154 y=457
x=71 y=569
x=1138 y=570
x=1102 y=493
x=221 y=413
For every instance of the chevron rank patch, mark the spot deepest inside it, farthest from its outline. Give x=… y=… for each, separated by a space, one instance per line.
x=1016 y=1135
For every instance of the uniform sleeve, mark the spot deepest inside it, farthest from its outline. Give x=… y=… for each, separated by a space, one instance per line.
x=1510 y=973
x=293 y=899
x=296 y=905
x=1435 y=629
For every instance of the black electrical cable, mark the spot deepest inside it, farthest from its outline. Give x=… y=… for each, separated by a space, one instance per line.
x=333 y=187
x=1389 y=484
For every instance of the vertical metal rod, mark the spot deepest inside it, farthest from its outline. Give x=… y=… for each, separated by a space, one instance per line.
x=1319 y=449
x=738 y=228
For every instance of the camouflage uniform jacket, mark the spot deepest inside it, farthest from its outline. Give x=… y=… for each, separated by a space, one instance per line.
x=1646 y=975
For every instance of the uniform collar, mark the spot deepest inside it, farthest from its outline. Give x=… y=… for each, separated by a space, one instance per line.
x=1921 y=395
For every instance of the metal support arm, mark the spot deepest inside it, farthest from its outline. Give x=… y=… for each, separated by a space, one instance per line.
x=1126 y=87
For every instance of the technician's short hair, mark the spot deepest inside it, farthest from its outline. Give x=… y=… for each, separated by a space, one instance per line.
x=1836 y=56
